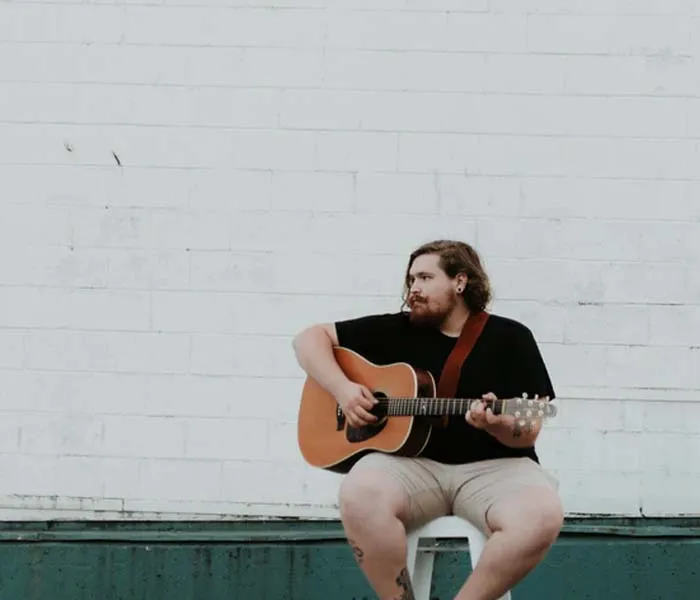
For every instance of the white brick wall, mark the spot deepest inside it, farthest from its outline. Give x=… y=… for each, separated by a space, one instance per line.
x=187 y=184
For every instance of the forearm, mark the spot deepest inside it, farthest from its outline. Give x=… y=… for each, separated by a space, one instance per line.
x=314 y=353
x=514 y=438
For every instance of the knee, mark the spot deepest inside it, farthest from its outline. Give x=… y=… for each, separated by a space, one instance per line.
x=535 y=517
x=547 y=520
x=366 y=498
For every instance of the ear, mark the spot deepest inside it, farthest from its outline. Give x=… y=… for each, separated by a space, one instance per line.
x=461 y=282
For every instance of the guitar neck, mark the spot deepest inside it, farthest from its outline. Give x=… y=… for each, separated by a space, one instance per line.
x=434 y=406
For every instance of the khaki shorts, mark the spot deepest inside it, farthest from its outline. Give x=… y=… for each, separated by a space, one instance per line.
x=468 y=491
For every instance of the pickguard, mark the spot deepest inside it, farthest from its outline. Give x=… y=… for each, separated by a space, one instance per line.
x=366 y=432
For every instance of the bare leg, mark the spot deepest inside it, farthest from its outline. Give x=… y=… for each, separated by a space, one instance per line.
x=524 y=528
x=371 y=507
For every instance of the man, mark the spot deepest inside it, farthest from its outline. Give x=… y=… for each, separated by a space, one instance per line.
x=481 y=467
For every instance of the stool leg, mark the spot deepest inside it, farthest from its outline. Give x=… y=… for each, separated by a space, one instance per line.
x=423 y=574
x=411 y=553
x=476 y=547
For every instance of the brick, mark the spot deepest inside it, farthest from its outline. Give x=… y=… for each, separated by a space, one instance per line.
x=396 y=194
x=674 y=325
x=597 y=7
x=180 y=230
x=608 y=34
x=616 y=493
x=479 y=196
x=221 y=26
x=141 y=105
x=637 y=366
x=386 y=30
x=225 y=439
x=450 y=6
x=392 y=70
x=654 y=282
x=12 y=348
x=200 y=312
x=10 y=433
x=282 y=484
x=524 y=73
x=184 y=479
x=323 y=109
x=51 y=475
x=608 y=324
x=230 y=191
x=547 y=322
x=576 y=364
x=36 y=226
x=280 y=67
x=356 y=150
x=616 y=158
x=317 y=191
x=242 y=356
x=486 y=32
x=616 y=198
x=438 y=153
x=46 y=22
x=153 y=437
x=107 y=351
x=555 y=280
x=629 y=75
x=658 y=500
x=263 y=149
x=74 y=309
x=283 y=443
x=60 y=434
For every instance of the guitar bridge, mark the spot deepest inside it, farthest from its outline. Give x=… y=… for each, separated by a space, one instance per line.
x=340 y=419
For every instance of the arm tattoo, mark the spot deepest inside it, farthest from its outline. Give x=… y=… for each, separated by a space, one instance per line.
x=357 y=552
x=404 y=582
x=517 y=432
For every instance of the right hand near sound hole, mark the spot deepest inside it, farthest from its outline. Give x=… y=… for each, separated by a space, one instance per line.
x=356 y=401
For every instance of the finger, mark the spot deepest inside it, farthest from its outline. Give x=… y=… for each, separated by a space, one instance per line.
x=368 y=394
x=489 y=396
x=365 y=403
x=363 y=415
x=492 y=419
x=477 y=408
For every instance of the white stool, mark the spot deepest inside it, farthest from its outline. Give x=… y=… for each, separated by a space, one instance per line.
x=421 y=550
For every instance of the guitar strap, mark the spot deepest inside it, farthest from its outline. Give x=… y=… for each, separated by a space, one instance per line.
x=449 y=378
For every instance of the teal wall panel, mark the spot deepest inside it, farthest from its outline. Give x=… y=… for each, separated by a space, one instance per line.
x=310 y=561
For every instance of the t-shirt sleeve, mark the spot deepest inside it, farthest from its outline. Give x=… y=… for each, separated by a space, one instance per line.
x=528 y=371
x=369 y=335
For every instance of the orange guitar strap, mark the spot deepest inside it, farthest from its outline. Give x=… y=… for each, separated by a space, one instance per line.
x=449 y=378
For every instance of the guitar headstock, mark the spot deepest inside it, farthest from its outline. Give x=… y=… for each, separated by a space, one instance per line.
x=527 y=411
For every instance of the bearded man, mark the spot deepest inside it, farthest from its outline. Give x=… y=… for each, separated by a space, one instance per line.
x=481 y=467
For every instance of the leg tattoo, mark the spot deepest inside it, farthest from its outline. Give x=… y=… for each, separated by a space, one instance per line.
x=357 y=552
x=404 y=582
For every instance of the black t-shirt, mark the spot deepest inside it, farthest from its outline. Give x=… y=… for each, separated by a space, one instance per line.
x=505 y=360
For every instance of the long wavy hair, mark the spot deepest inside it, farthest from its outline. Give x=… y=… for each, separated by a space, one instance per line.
x=456 y=257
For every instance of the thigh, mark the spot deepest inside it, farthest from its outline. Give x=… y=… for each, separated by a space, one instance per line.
x=421 y=479
x=478 y=486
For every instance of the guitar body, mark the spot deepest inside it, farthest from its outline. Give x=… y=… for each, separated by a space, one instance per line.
x=328 y=442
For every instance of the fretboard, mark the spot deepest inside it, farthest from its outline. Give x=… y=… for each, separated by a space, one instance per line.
x=433 y=406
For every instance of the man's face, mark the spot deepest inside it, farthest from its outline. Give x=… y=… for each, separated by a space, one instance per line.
x=432 y=294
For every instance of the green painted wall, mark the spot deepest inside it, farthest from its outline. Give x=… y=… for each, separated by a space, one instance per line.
x=289 y=560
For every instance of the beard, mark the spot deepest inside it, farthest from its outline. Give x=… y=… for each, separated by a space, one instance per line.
x=431 y=313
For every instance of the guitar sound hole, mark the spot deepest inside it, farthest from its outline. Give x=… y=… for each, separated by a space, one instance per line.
x=366 y=432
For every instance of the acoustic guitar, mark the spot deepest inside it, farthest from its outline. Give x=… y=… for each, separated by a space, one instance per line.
x=406 y=403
